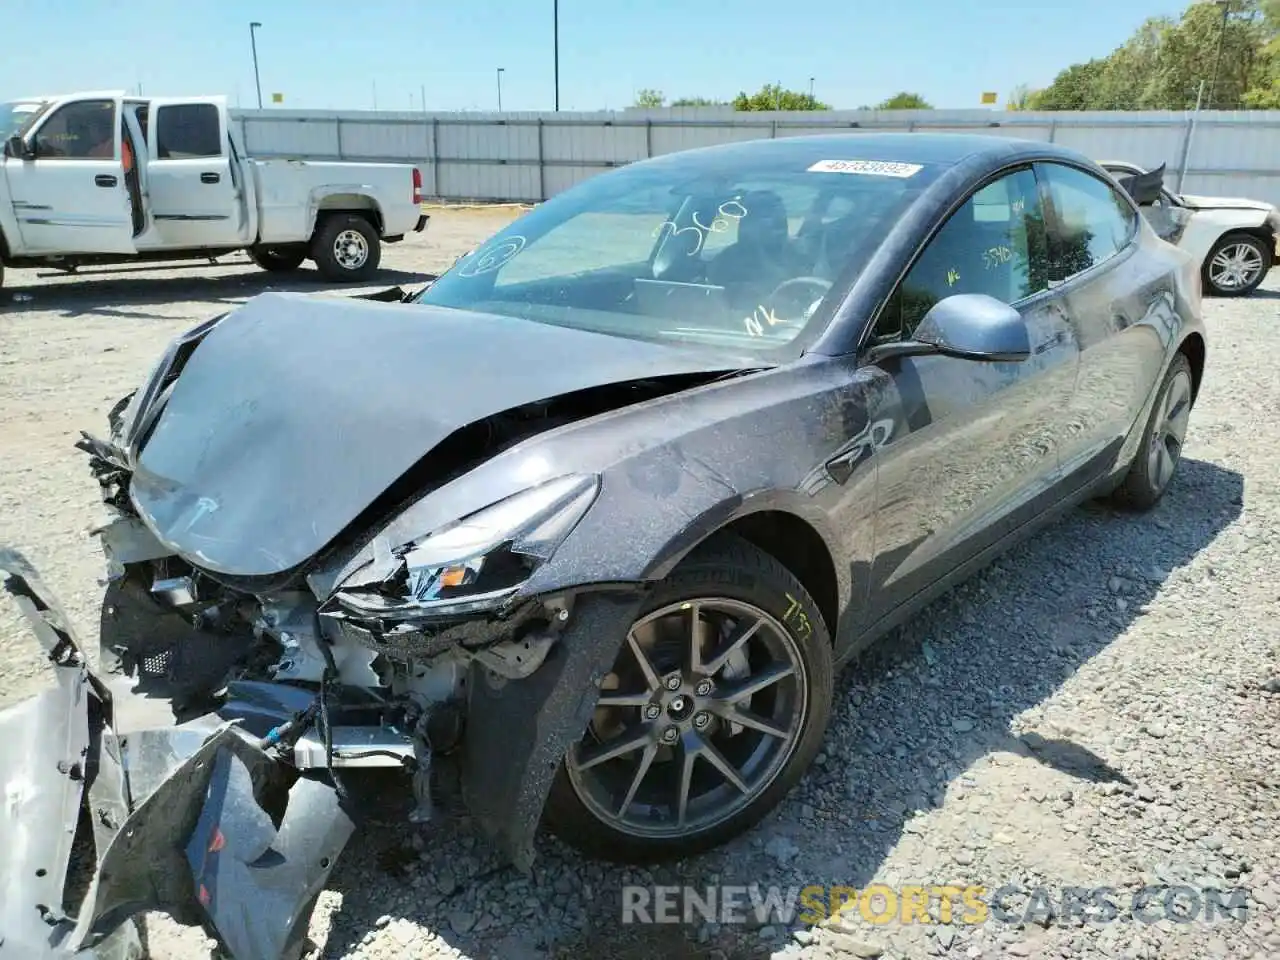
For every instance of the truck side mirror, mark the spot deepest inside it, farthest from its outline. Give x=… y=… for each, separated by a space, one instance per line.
x=17 y=147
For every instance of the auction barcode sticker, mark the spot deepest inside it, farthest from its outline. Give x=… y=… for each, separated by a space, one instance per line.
x=874 y=168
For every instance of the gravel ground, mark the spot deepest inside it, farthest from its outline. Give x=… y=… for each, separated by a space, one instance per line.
x=1091 y=712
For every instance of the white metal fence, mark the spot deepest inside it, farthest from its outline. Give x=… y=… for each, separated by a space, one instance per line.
x=533 y=156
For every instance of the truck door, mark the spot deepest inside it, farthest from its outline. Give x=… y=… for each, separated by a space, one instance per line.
x=68 y=192
x=194 y=196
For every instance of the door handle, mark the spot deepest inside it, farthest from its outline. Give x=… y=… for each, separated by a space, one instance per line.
x=105 y=180
x=210 y=178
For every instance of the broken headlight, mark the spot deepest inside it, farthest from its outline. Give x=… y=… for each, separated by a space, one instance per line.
x=473 y=564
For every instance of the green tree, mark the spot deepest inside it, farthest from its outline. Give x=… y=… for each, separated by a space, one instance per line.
x=1166 y=64
x=1189 y=56
x=904 y=101
x=650 y=99
x=1264 y=91
x=1075 y=88
x=773 y=97
x=1128 y=80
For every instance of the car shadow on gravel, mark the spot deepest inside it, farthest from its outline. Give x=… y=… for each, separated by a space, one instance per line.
x=911 y=717
x=120 y=293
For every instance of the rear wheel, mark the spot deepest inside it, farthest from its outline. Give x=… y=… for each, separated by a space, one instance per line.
x=1236 y=265
x=278 y=259
x=715 y=707
x=346 y=248
x=1161 y=448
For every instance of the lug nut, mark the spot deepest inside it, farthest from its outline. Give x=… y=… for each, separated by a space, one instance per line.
x=673 y=682
x=670 y=735
x=701 y=720
x=652 y=712
x=704 y=688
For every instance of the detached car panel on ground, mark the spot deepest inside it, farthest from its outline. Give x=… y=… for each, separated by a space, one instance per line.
x=578 y=534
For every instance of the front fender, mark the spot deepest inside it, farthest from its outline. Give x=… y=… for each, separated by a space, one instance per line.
x=518 y=731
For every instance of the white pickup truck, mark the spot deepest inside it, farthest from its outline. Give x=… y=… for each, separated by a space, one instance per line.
x=106 y=178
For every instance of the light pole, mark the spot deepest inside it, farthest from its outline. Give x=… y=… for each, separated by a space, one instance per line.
x=500 y=89
x=555 y=23
x=1217 y=63
x=253 y=43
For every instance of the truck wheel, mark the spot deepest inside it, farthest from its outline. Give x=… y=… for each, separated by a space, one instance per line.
x=1236 y=265
x=278 y=259
x=346 y=248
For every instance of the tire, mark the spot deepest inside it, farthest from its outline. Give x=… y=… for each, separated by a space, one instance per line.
x=346 y=248
x=278 y=259
x=1151 y=472
x=1236 y=265
x=734 y=583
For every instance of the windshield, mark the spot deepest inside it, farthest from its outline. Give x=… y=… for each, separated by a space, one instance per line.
x=17 y=116
x=737 y=248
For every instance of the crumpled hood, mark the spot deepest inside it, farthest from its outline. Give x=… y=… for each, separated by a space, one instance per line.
x=1226 y=203
x=295 y=413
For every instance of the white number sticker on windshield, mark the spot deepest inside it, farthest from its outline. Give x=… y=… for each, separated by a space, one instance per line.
x=872 y=168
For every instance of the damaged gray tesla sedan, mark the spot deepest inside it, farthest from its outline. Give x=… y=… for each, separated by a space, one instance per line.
x=578 y=534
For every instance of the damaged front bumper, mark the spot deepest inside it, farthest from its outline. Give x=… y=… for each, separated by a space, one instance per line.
x=199 y=821
x=193 y=820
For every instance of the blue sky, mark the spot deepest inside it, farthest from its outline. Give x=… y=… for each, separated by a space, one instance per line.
x=324 y=54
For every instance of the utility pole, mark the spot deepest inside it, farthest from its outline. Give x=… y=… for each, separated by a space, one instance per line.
x=500 y=89
x=253 y=43
x=1217 y=64
x=555 y=16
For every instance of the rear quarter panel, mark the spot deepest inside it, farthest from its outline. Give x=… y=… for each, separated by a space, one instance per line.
x=292 y=194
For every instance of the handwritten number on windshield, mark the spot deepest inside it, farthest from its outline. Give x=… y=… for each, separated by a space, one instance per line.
x=727 y=213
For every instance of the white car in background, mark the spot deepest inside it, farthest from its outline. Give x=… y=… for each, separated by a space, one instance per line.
x=72 y=193
x=1234 y=238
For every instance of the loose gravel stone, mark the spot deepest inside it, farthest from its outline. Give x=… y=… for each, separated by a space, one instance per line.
x=1100 y=708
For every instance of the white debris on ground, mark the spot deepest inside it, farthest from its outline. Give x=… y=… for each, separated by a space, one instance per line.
x=1100 y=709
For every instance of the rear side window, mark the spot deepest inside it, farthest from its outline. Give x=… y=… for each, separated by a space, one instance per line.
x=79 y=131
x=993 y=244
x=1093 y=221
x=186 y=131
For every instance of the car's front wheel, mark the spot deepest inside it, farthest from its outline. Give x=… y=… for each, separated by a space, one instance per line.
x=1236 y=265
x=715 y=707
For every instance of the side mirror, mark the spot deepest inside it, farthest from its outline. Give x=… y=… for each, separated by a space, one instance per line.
x=17 y=147
x=974 y=326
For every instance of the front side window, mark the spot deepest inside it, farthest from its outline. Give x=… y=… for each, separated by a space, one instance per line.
x=993 y=244
x=86 y=130
x=689 y=249
x=188 y=131
x=1093 y=221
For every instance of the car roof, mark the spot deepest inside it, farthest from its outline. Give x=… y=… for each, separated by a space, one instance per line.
x=943 y=149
